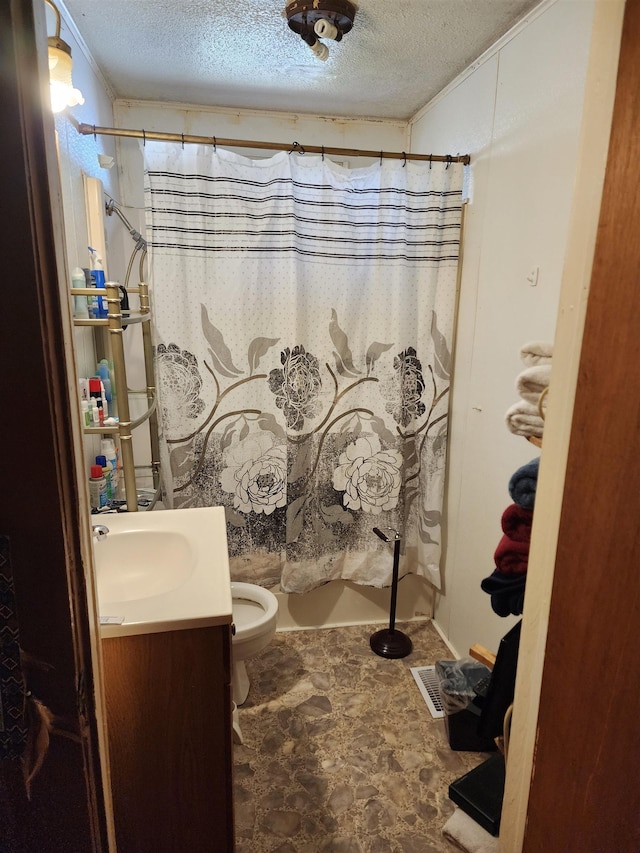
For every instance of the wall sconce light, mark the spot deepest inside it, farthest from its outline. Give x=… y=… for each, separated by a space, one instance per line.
x=62 y=92
x=329 y=19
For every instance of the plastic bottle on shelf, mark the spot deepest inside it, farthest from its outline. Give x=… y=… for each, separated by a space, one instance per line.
x=103 y=462
x=97 y=273
x=103 y=398
x=108 y=450
x=97 y=488
x=80 y=307
x=92 y=301
x=103 y=373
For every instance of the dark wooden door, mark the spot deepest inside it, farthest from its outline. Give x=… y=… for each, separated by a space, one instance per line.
x=43 y=607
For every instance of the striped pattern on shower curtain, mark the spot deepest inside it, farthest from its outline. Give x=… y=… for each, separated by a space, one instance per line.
x=304 y=316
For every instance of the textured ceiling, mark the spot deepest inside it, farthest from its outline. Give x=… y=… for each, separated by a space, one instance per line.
x=240 y=53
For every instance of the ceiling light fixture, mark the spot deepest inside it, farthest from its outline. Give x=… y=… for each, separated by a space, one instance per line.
x=329 y=19
x=62 y=92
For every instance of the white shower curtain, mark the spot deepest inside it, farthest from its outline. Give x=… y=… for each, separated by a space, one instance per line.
x=303 y=320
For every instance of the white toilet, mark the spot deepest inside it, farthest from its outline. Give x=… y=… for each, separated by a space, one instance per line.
x=255 y=612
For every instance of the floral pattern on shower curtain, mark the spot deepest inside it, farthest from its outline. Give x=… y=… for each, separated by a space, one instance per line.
x=303 y=322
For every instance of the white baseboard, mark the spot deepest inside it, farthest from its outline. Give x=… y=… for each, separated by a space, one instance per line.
x=445 y=640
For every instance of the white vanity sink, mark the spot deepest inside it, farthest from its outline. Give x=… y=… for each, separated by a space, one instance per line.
x=138 y=564
x=162 y=571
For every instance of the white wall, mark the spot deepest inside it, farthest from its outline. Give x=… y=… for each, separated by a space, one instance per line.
x=77 y=156
x=517 y=113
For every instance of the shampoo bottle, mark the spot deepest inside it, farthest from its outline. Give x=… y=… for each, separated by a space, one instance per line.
x=92 y=301
x=106 y=472
x=97 y=273
x=80 y=309
x=95 y=392
x=103 y=399
x=103 y=373
x=97 y=488
x=108 y=450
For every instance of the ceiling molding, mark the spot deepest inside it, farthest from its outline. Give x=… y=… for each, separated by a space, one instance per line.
x=401 y=124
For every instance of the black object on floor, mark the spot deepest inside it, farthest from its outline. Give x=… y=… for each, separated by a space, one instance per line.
x=390 y=643
x=460 y=683
x=479 y=793
x=462 y=731
x=499 y=694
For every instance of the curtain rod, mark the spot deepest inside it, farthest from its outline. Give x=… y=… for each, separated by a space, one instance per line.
x=93 y=130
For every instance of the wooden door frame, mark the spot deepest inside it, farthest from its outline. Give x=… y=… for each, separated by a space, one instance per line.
x=43 y=506
x=563 y=455
x=588 y=745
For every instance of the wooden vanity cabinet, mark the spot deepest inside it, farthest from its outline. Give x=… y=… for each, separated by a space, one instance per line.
x=168 y=698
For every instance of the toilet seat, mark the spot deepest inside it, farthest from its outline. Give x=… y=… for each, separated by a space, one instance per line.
x=254 y=614
x=253 y=608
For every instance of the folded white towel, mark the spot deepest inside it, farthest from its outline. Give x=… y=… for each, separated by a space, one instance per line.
x=532 y=382
x=536 y=352
x=523 y=419
x=463 y=832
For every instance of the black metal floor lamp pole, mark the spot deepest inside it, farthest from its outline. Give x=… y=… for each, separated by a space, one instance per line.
x=390 y=643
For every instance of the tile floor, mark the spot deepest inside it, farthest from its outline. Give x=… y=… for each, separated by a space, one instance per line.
x=340 y=750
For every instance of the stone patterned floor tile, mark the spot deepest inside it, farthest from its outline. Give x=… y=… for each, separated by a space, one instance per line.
x=340 y=752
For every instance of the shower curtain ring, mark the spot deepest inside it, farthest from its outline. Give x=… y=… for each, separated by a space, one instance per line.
x=94 y=133
x=215 y=145
x=381 y=158
x=449 y=161
x=404 y=157
x=323 y=153
x=430 y=161
x=144 y=138
x=296 y=147
x=182 y=134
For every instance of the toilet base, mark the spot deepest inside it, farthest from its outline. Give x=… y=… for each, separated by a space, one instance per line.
x=240 y=682
x=235 y=724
